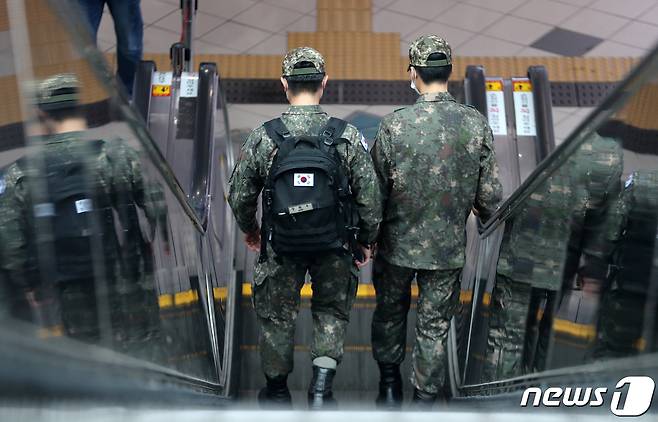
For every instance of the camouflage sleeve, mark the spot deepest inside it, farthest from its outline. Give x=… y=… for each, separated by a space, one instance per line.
x=13 y=228
x=363 y=181
x=489 y=190
x=149 y=195
x=604 y=215
x=382 y=159
x=247 y=181
x=128 y=176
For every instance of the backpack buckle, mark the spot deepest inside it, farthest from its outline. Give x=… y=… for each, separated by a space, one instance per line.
x=327 y=137
x=267 y=195
x=342 y=193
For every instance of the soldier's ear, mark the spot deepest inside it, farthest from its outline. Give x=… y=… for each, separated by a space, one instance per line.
x=324 y=81
x=284 y=82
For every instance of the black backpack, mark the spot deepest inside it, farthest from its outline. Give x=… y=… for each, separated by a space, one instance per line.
x=308 y=206
x=72 y=218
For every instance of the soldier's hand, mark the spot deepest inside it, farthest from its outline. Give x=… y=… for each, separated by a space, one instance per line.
x=31 y=297
x=366 y=256
x=591 y=285
x=253 y=241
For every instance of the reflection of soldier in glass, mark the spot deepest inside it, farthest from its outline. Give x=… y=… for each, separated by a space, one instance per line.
x=534 y=257
x=11 y=297
x=57 y=213
x=632 y=229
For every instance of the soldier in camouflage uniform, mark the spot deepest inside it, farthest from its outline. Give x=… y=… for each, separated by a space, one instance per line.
x=278 y=280
x=435 y=162
x=622 y=328
x=562 y=220
x=113 y=177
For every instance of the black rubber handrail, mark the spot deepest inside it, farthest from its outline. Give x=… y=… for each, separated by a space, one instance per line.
x=541 y=89
x=203 y=152
x=142 y=88
x=475 y=84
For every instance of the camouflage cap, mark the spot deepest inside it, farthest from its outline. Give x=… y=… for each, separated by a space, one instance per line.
x=302 y=54
x=57 y=92
x=424 y=46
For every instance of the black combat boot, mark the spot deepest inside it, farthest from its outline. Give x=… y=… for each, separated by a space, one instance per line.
x=320 y=396
x=422 y=400
x=275 y=394
x=390 y=387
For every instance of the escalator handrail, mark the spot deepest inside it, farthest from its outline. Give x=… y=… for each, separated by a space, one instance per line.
x=69 y=362
x=541 y=88
x=476 y=93
x=644 y=71
x=203 y=153
x=142 y=88
x=625 y=366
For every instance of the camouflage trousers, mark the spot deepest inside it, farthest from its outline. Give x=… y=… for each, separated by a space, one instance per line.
x=79 y=313
x=437 y=303
x=519 y=329
x=277 y=296
x=621 y=323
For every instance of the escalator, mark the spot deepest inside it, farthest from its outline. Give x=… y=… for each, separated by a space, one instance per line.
x=558 y=300
x=182 y=334
x=167 y=331
x=524 y=137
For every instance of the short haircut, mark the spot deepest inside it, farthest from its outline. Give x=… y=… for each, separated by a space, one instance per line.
x=299 y=84
x=434 y=74
x=61 y=114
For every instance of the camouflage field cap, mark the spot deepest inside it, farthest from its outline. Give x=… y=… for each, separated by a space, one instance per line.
x=424 y=46
x=303 y=54
x=57 y=92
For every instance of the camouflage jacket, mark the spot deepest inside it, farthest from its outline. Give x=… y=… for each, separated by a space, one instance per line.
x=435 y=162
x=117 y=175
x=564 y=218
x=256 y=157
x=632 y=230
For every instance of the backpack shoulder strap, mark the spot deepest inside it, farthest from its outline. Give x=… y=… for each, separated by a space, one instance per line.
x=333 y=131
x=277 y=131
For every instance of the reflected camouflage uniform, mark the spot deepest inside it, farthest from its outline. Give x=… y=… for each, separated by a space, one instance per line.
x=116 y=173
x=562 y=219
x=434 y=162
x=632 y=230
x=278 y=281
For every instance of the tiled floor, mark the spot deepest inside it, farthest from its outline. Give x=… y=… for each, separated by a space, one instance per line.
x=473 y=27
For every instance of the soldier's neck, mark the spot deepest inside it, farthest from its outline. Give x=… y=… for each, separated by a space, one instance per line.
x=70 y=125
x=305 y=99
x=434 y=88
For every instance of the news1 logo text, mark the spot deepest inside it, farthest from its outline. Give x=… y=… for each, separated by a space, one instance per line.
x=632 y=396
